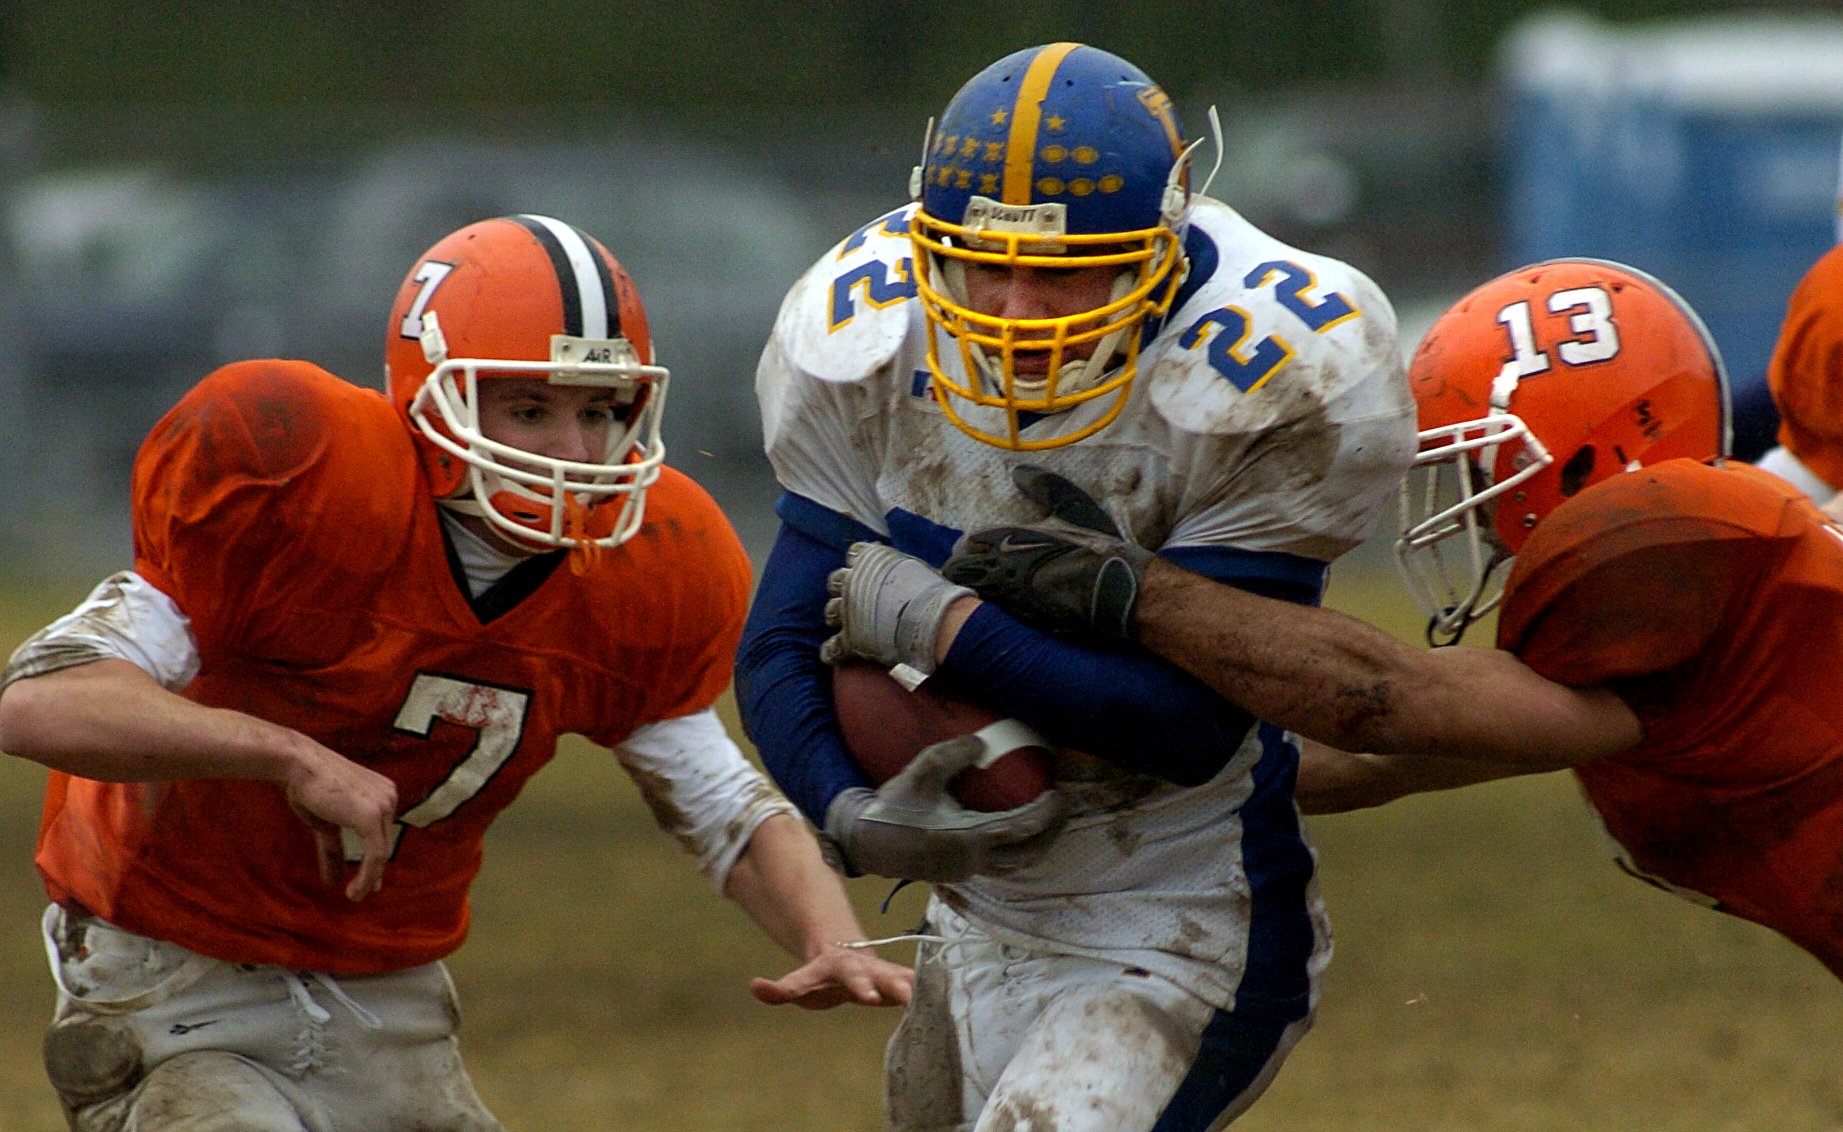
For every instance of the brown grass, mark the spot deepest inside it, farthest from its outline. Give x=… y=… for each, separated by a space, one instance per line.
x=1494 y=974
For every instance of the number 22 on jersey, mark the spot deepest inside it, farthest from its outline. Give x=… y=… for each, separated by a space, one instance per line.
x=1247 y=365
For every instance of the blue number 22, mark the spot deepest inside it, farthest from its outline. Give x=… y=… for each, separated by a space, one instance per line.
x=1247 y=367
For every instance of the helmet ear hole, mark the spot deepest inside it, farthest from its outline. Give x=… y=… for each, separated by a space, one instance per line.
x=1577 y=471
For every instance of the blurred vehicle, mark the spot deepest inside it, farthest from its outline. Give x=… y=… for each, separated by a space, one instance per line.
x=1704 y=150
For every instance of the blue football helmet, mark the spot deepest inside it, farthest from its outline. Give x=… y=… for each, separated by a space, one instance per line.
x=1060 y=156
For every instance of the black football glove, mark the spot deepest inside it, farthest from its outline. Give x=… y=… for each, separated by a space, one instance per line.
x=1074 y=570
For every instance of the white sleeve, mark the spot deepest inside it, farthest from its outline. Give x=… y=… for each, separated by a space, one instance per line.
x=124 y=618
x=700 y=788
x=1780 y=462
x=816 y=438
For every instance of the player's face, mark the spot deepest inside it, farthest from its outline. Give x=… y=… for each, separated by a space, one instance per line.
x=560 y=421
x=1003 y=291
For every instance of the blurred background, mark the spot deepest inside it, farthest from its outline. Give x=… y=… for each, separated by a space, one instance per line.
x=184 y=183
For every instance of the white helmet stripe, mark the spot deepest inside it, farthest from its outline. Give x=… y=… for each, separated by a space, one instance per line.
x=588 y=292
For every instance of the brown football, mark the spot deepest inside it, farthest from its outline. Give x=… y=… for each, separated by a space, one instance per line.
x=886 y=725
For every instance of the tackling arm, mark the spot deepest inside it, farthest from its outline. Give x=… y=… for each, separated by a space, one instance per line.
x=1335 y=679
x=1333 y=781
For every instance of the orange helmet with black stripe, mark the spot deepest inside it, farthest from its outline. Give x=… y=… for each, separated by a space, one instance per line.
x=527 y=297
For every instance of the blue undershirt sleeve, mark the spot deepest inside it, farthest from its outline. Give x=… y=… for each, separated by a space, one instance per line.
x=783 y=691
x=1116 y=701
x=1112 y=700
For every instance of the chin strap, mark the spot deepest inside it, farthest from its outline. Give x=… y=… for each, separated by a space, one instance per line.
x=1443 y=631
x=586 y=553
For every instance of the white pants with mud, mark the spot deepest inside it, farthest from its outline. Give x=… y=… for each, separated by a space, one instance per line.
x=151 y=1037
x=1002 y=1038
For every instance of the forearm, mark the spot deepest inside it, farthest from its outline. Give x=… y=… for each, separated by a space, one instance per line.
x=1307 y=669
x=1334 y=782
x=783 y=885
x=110 y=721
x=1345 y=683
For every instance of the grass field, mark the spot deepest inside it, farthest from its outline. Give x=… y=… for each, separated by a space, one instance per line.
x=1494 y=974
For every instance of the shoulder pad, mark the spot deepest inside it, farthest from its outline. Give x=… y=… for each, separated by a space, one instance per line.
x=1272 y=334
x=270 y=458
x=687 y=533
x=851 y=311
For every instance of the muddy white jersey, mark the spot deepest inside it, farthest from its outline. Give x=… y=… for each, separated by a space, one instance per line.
x=1269 y=413
x=1269 y=418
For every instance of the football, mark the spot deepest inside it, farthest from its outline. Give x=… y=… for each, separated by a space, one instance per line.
x=886 y=725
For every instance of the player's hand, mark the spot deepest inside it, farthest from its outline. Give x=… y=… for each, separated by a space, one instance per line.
x=887 y=606
x=1074 y=570
x=911 y=828
x=836 y=976
x=342 y=801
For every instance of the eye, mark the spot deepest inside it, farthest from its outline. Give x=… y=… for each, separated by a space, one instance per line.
x=608 y=412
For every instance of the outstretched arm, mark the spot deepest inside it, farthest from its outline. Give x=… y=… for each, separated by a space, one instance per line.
x=1345 y=683
x=785 y=887
x=1334 y=782
x=1463 y=714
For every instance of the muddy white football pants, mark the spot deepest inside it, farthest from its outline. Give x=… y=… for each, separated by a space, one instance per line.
x=151 y=1037
x=1002 y=1038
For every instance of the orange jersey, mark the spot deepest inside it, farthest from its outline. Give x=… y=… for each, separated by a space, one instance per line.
x=284 y=512
x=1711 y=600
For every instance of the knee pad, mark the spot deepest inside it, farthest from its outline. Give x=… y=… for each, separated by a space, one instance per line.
x=90 y=1058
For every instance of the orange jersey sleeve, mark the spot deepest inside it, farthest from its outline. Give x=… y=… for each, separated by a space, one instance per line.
x=1712 y=598
x=258 y=473
x=1634 y=575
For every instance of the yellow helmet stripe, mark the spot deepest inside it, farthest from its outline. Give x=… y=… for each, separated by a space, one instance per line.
x=1026 y=114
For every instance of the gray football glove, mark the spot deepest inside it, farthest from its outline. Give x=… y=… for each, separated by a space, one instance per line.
x=911 y=828
x=887 y=607
x=1073 y=570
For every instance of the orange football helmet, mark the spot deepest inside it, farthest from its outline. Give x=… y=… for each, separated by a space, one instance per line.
x=532 y=297
x=1532 y=387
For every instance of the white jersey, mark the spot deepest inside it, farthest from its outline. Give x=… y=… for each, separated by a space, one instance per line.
x=1269 y=414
